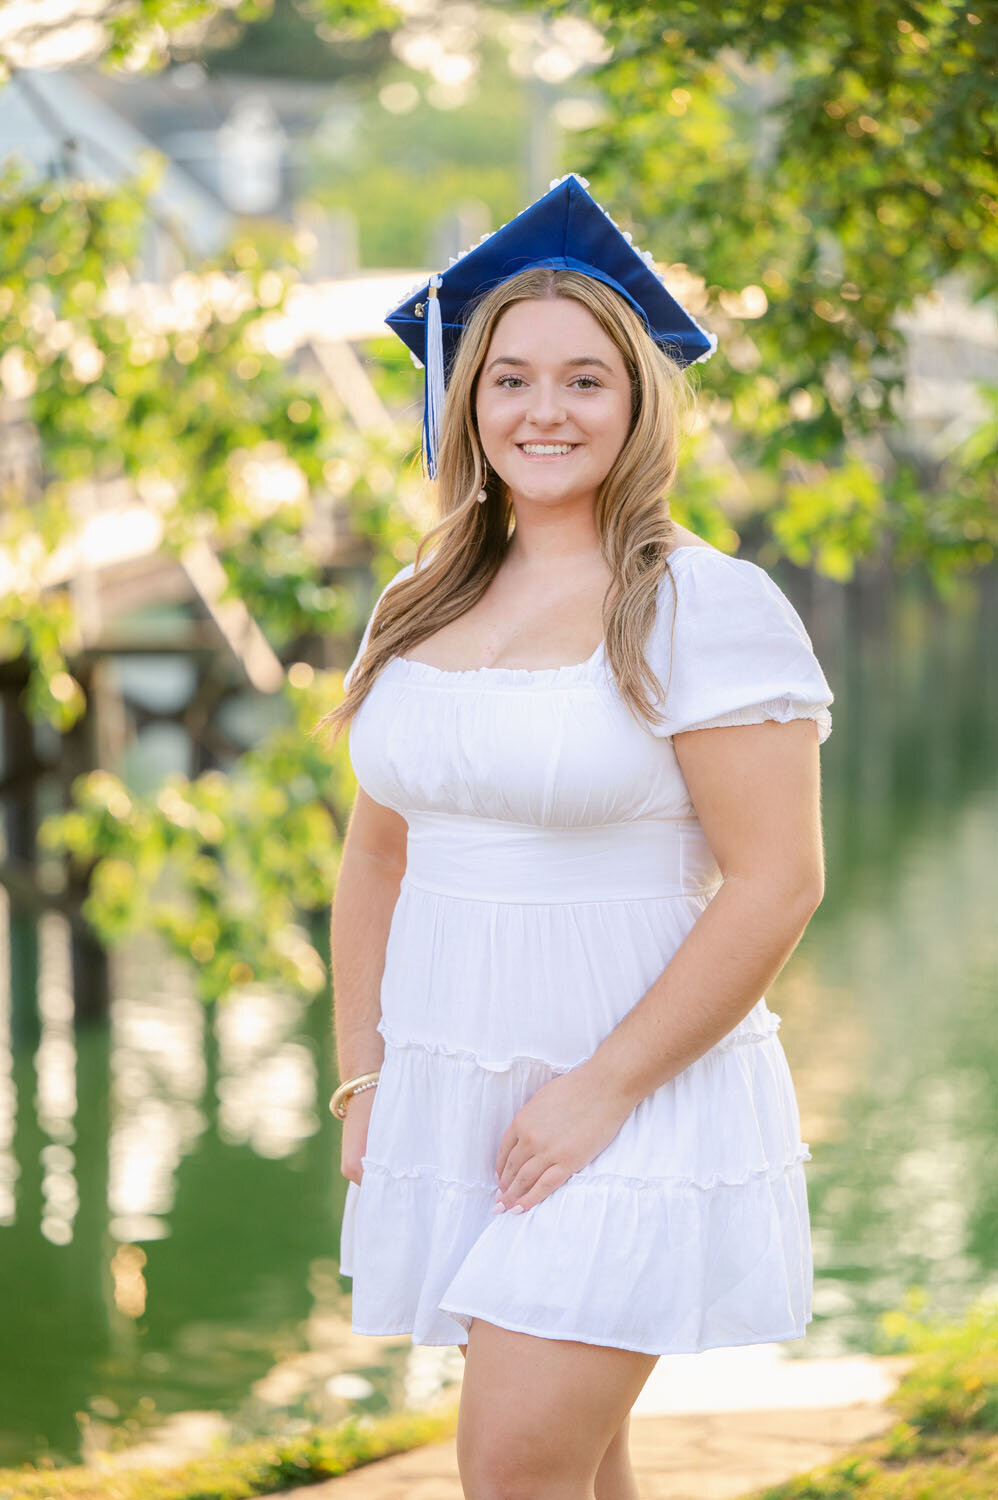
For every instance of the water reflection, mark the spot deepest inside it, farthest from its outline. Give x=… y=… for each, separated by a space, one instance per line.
x=267 y=1085
x=158 y=1074
x=55 y=1085
x=901 y=1186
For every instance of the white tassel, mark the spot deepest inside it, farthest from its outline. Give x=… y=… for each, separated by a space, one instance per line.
x=434 y=375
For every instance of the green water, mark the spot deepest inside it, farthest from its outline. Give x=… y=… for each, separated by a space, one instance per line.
x=170 y=1191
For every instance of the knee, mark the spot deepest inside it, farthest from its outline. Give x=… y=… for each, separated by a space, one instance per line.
x=511 y=1486
x=516 y=1472
x=496 y=1489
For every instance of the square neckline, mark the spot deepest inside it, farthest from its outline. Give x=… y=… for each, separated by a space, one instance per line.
x=519 y=673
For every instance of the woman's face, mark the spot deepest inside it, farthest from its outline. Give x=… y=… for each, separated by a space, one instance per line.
x=552 y=378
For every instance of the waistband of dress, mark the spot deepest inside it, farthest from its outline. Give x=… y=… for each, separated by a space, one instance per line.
x=488 y=859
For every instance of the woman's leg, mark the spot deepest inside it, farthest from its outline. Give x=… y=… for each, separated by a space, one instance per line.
x=539 y=1416
x=615 y=1479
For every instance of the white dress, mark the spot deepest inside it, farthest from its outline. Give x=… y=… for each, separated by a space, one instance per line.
x=554 y=865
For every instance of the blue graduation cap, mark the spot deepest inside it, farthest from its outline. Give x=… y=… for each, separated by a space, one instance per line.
x=564 y=229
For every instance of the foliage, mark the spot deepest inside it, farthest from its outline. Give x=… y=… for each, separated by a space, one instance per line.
x=967 y=1474
x=953 y=1387
x=258 y=1468
x=283 y=43
x=842 y=159
x=171 y=389
x=945 y=1444
x=177 y=392
x=143 y=35
x=221 y=866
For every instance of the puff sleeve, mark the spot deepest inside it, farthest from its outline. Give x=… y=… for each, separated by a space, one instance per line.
x=402 y=573
x=739 y=652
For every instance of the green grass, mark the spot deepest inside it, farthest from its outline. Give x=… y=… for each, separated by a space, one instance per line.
x=944 y=1445
x=248 y=1469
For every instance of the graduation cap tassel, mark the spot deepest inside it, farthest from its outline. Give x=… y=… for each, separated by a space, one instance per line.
x=434 y=375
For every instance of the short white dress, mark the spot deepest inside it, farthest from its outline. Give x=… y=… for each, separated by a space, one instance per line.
x=554 y=865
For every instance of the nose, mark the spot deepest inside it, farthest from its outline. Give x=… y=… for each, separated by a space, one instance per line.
x=547 y=407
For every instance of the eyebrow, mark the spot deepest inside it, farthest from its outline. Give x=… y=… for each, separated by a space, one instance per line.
x=582 y=359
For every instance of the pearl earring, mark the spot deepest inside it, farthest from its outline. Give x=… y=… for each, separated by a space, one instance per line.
x=482 y=495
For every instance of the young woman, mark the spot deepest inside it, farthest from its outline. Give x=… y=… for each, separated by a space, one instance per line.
x=586 y=838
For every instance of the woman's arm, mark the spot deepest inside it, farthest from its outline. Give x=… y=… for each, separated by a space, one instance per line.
x=756 y=790
x=367 y=889
x=757 y=793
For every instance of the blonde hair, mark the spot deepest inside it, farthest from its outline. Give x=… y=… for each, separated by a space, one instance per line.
x=465 y=549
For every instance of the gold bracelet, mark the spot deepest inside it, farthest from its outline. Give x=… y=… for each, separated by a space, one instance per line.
x=338 y=1103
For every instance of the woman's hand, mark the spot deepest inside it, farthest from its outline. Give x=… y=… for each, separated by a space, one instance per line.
x=354 y=1142
x=568 y=1121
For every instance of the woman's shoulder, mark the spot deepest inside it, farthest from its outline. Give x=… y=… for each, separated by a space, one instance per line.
x=684 y=540
x=406 y=571
x=708 y=573
x=714 y=606
x=691 y=557
x=694 y=549
x=732 y=645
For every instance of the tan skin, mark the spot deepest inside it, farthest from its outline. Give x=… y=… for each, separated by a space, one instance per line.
x=545 y=1418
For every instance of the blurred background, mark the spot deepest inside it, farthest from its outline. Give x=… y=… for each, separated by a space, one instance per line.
x=209 y=464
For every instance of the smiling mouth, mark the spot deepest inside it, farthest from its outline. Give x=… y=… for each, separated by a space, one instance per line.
x=565 y=450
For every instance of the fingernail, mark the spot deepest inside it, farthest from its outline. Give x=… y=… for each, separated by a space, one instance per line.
x=518 y=1209
x=500 y=1208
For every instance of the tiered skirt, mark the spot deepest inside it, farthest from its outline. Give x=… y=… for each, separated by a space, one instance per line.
x=689 y=1231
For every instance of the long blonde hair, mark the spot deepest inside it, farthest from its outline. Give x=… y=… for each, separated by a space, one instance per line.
x=465 y=549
